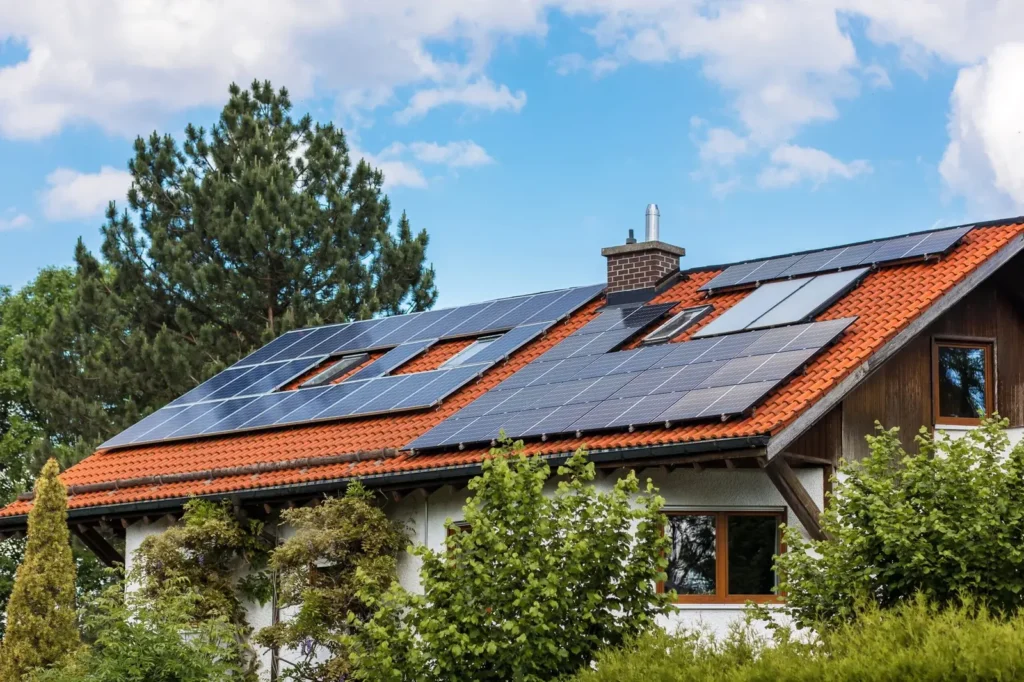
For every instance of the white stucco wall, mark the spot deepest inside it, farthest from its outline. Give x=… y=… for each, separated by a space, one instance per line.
x=683 y=489
x=956 y=432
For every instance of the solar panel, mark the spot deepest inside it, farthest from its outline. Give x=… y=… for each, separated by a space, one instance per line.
x=393 y=359
x=870 y=253
x=709 y=378
x=245 y=396
x=785 y=302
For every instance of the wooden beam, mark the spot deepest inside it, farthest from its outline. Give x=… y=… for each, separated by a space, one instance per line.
x=103 y=550
x=729 y=464
x=807 y=459
x=796 y=496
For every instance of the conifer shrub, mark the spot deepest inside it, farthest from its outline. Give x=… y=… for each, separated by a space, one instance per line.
x=913 y=642
x=41 y=618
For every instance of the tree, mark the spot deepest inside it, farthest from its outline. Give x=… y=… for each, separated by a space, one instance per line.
x=257 y=226
x=946 y=523
x=342 y=550
x=41 y=627
x=534 y=584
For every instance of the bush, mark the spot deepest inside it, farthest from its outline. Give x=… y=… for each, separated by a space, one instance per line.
x=532 y=587
x=946 y=522
x=914 y=641
x=134 y=639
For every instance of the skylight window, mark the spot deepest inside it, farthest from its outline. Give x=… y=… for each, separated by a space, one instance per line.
x=466 y=355
x=786 y=302
x=336 y=370
x=675 y=326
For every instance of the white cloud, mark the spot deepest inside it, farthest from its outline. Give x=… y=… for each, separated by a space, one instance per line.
x=71 y=194
x=465 y=153
x=877 y=76
x=481 y=94
x=791 y=165
x=127 y=67
x=985 y=156
x=722 y=147
x=399 y=161
x=14 y=221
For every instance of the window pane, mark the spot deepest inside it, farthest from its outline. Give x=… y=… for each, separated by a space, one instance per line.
x=753 y=541
x=961 y=382
x=691 y=568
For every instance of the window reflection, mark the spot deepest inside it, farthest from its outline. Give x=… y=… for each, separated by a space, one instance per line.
x=691 y=567
x=962 y=381
x=753 y=542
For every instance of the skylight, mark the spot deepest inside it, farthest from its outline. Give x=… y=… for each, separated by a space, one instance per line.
x=336 y=370
x=466 y=355
x=786 y=302
x=679 y=322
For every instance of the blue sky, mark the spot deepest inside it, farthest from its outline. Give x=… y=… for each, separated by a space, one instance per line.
x=526 y=136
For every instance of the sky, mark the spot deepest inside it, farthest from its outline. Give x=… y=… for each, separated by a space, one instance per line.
x=524 y=135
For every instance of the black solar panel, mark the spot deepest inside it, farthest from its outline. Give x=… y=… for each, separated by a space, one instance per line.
x=393 y=359
x=828 y=260
x=702 y=379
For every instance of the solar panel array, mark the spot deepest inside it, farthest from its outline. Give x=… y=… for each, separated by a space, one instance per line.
x=839 y=258
x=578 y=386
x=246 y=397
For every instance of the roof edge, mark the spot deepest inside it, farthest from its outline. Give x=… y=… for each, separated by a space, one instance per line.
x=391 y=479
x=784 y=438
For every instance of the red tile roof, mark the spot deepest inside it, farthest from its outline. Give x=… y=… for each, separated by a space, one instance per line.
x=885 y=302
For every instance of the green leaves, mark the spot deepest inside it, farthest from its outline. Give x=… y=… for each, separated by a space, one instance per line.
x=945 y=522
x=546 y=574
x=342 y=556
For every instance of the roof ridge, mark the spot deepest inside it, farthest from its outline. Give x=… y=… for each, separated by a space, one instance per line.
x=989 y=223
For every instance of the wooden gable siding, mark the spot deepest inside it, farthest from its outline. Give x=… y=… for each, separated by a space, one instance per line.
x=899 y=393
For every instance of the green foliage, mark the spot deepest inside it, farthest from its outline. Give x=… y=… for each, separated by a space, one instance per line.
x=41 y=626
x=912 y=642
x=343 y=550
x=945 y=522
x=257 y=226
x=533 y=588
x=131 y=638
x=205 y=554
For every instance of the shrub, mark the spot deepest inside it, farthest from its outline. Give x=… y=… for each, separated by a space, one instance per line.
x=532 y=587
x=914 y=641
x=135 y=639
x=945 y=522
x=343 y=549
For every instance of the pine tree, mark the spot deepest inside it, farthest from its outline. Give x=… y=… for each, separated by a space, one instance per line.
x=257 y=226
x=41 y=623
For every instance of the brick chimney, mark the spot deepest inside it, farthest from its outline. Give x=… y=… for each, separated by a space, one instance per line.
x=642 y=266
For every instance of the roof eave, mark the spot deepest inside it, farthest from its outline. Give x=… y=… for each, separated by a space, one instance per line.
x=649 y=454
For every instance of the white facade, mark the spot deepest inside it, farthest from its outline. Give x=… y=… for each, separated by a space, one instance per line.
x=683 y=490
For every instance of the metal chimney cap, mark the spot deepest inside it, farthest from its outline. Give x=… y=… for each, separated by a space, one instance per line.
x=653 y=219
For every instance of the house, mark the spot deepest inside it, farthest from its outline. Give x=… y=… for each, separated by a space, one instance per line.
x=737 y=388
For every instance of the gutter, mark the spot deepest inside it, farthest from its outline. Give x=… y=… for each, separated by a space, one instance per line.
x=391 y=479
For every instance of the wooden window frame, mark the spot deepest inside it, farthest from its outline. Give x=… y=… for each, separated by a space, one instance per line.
x=722 y=595
x=989 y=347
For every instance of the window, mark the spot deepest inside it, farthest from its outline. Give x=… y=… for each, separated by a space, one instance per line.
x=336 y=370
x=679 y=322
x=723 y=556
x=962 y=381
x=464 y=356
